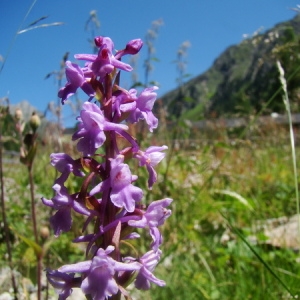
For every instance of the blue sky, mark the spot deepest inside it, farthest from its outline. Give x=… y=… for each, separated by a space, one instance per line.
x=209 y=25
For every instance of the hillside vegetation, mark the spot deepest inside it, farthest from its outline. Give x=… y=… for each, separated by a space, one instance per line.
x=244 y=78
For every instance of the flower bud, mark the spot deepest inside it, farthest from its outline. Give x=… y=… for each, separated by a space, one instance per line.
x=34 y=121
x=98 y=41
x=44 y=232
x=133 y=46
x=18 y=114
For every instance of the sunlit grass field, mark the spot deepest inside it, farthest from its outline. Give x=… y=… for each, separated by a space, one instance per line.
x=224 y=189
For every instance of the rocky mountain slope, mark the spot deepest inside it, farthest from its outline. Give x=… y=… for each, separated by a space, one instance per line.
x=244 y=80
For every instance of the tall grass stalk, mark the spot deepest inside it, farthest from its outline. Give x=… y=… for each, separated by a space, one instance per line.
x=181 y=67
x=292 y=139
x=30 y=141
x=15 y=36
x=35 y=232
x=151 y=36
x=39 y=256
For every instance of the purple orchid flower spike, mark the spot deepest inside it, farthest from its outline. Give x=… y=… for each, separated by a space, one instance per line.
x=108 y=195
x=77 y=78
x=91 y=129
x=144 y=106
x=150 y=158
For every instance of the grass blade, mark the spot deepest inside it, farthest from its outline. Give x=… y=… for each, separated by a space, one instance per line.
x=240 y=235
x=292 y=138
x=40 y=26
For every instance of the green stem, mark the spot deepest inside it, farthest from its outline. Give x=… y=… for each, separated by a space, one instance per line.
x=35 y=232
x=292 y=138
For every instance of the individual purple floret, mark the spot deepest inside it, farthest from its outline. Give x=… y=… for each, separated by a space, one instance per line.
x=91 y=129
x=144 y=106
x=105 y=62
x=132 y=47
x=61 y=221
x=150 y=158
x=65 y=164
x=124 y=102
x=62 y=282
x=154 y=216
x=77 y=78
x=145 y=274
x=99 y=273
x=123 y=193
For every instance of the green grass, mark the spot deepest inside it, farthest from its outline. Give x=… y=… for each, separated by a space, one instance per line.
x=207 y=185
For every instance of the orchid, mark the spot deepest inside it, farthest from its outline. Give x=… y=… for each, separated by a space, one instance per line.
x=123 y=193
x=144 y=106
x=99 y=281
x=154 y=216
x=91 y=129
x=150 y=158
x=65 y=164
x=109 y=195
x=62 y=282
x=105 y=62
x=61 y=221
x=77 y=78
x=149 y=261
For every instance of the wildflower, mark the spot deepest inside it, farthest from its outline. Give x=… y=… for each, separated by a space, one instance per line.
x=76 y=77
x=62 y=282
x=65 y=164
x=105 y=62
x=149 y=261
x=123 y=193
x=91 y=129
x=107 y=194
x=61 y=221
x=18 y=114
x=144 y=106
x=34 y=121
x=150 y=158
x=154 y=216
x=99 y=273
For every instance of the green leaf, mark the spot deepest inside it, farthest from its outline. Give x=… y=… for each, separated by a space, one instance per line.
x=235 y=196
x=38 y=250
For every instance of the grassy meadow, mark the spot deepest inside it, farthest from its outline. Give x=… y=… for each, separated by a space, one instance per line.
x=225 y=188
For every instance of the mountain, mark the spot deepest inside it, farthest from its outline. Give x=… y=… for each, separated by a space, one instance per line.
x=244 y=79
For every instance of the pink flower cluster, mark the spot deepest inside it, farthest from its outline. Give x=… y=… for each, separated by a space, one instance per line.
x=108 y=196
